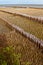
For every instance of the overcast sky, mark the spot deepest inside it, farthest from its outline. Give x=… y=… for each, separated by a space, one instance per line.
x=21 y=1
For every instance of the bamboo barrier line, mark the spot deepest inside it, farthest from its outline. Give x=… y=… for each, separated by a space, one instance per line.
x=35 y=8
x=34 y=18
x=32 y=38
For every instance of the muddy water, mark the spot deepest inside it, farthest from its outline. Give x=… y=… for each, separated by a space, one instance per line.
x=3 y=27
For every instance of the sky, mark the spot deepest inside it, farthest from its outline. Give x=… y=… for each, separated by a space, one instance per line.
x=21 y=1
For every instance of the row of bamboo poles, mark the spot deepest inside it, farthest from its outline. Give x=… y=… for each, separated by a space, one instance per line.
x=34 y=39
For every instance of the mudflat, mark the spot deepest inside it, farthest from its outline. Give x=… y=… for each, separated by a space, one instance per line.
x=29 y=26
x=3 y=27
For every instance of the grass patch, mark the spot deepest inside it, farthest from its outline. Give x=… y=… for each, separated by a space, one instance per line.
x=28 y=51
x=8 y=56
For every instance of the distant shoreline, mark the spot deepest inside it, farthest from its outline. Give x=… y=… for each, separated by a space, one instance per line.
x=22 y=5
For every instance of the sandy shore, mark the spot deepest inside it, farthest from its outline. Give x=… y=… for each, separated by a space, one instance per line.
x=29 y=11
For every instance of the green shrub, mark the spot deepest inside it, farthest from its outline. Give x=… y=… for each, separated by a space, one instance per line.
x=8 y=57
x=28 y=63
